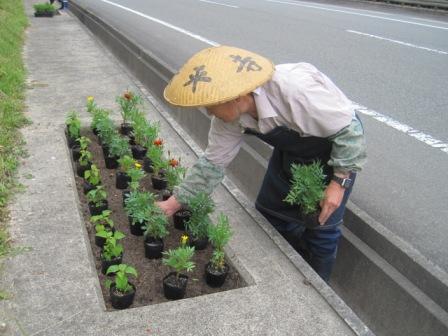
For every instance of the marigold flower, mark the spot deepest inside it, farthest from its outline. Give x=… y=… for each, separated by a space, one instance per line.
x=127 y=96
x=173 y=163
x=183 y=239
x=138 y=165
x=90 y=99
x=158 y=142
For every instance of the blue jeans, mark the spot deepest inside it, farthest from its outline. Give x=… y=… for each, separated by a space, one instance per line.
x=318 y=246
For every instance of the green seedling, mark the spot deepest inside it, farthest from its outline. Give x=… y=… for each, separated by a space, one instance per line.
x=73 y=125
x=219 y=235
x=200 y=206
x=179 y=259
x=129 y=104
x=41 y=8
x=112 y=249
x=92 y=175
x=97 y=196
x=136 y=174
x=118 y=146
x=126 y=163
x=156 y=223
x=121 y=281
x=102 y=221
x=85 y=157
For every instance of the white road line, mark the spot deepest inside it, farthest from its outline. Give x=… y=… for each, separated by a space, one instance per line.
x=166 y=24
x=425 y=138
x=218 y=3
x=398 y=42
x=355 y=13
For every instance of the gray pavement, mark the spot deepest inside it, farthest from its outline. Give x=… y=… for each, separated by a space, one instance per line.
x=54 y=287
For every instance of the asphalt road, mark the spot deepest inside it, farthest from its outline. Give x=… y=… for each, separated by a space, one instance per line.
x=392 y=61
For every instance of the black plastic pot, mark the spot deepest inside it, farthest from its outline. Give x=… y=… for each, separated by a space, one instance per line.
x=138 y=152
x=105 y=264
x=131 y=140
x=71 y=142
x=125 y=194
x=44 y=14
x=86 y=186
x=81 y=169
x=122 y=180
x=180 y=218
x=215 y=278
x=147 y=165
x=153 y=248
x=76 y=152
x=126 y=129
x=95 y=131
x=100 y=241
x=111 y=162
x=159 y=183
x=173 y=289
x=136 y=229
x=199 y=244
x=121 y=300
x=105 y=151
x=97 y=210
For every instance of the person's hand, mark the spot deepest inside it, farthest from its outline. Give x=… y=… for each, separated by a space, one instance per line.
x=332 y=200
x=170 y=206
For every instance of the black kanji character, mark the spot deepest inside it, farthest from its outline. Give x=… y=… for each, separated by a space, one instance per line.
x=247 y=62
x=199 y=76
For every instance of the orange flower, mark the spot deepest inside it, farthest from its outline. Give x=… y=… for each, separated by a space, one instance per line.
x=173 y=163
x=158 y=142
x=127 y=96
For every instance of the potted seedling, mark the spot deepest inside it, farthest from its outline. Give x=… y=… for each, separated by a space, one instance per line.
x=122 y=178
x=82 y=144
x=106 y=131
x=151 y=133
x=44 y=10
x=112 y=253
x=137 y=207
x=200 y=206
x=91 y=105
x=159 y=166
x=216 y=270
x=136 y=174
x=98 y=115
x=174 y=174
x=92 y=178
x=117 y=148
x=175 y=283
x=121 y=291
x=155 y=231
x=102 y=222
x=307 y=190
x=73 y=130
x=97 y=200
x=84 y=163
x=129 y=103
x=139 y=133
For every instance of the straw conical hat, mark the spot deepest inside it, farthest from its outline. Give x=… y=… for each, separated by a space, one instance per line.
x=217 y=75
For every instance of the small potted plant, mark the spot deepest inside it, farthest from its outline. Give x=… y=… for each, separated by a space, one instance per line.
x=136 y=174
x=200 y=206
x=139 y=133
x=117 y=148
x=97 y=200
x=44 y=10
x=155 y=231
x=91 y=105
x=129 y=103
x=122 y=292
x=216 y=270
x=122 y=177
x=106 y=131
x=307 y=190
x=102 y=222
x=174 y=174
x=92 y=178
x=159 y=166
x=82 y=144
x=112 y=253
x=98 y=115
x=175 y=283
x=137 y=207
x=84 y=163
x=73 y=131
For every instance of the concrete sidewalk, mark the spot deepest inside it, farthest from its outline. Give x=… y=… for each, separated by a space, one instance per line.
x=54 y=287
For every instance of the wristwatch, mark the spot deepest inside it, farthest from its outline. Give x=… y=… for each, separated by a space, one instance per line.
x=343 y=182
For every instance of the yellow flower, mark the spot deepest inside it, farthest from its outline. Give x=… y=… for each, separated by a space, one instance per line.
x=138 y=165
x=183 y=239
x=90 y=99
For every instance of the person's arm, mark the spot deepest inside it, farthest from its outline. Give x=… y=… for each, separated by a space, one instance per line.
x=224 y=142
x=348 y=155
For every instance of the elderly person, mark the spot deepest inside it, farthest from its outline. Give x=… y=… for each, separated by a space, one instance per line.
x=294 y=108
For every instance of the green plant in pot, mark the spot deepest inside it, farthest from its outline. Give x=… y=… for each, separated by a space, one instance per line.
x=129 y=103
x=106 y=131
x=307 y=190
x=44 y=10
x=97 y=200
x=151 y=135
x=159 y=166
x=91 y=105
x=135 y=174
x=117 y=148
x=175 y=283
x=82 y=143
x=174 y=174
x=155 y=231
x=98 y=115
x=122 y=292
x=137 y=207
x=92 y=178
x=84 y=162
x=139 y=133
x=112 y=253
x=102 y=222
x=73 y=128
x=122 y=178
x=219 y=235
x=200 y=206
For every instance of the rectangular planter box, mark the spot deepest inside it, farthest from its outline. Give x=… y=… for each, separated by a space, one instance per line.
x=46 y=14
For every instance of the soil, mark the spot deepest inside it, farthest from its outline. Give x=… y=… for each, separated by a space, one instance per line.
x=149 y=286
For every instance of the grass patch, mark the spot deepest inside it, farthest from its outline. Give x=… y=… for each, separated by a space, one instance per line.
x=12 y=77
